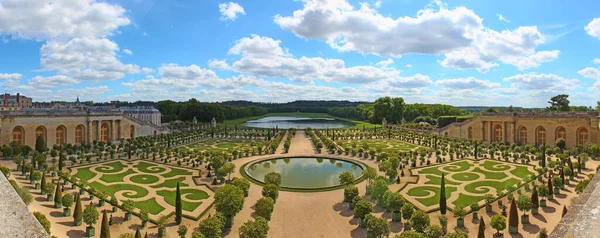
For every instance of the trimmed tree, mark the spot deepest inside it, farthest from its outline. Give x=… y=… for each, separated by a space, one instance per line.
x=395 y=202
x=346 y=178
x=498 y=222
x=241 y=183
x=350 y=191
x=178 y=205
x=419 y=220
x=58 y=197
x=254 y=229
x=481 y=230
x=459 y=212
x=407 y=211
x=434 y=230
x=67 y=201
x=105 y=229
x=524 y=204
x=182 y=231
x=271 y=190
x=229 y=200
x=513 y=217
x=90 y=217
x=264 y=207
x=535 y=200
x=78 y=212
x=40 y=144
x=273 y=178
x=377 y=227
x=211 y=227
x=361 y=209
x=443 y=196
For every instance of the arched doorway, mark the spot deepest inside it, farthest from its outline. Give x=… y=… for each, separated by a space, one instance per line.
x=582 y=136
x=79 y=134
x=61 y=135
x=131 y=131
x=104 y=132
x=18 y=135
x=41 y=131
x=498 y=133
x=561 y=133
x=523 y=135
x=540 y=136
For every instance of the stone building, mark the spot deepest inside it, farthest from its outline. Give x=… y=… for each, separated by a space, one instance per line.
x=71 y=126
x=14 y=102
x=144 y=113
x=529 y=128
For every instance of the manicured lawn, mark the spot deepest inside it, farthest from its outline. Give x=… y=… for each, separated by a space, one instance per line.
x=175 y=172
x=481 y=187
x=171 y=183
x=437 y=180
x=84 y=174
x=458 y=166
x=144 y=179
x=425 y=190
x=116 y=178
x=114 y=167
x=466 y=200
x=221 y=145
x=133 y=190
x=193 y=194
x=490 y=175
x=466 y=176
x=151 y=205
x=388 y=146
x=144 y=167
x=521 y=172
x=495 y=166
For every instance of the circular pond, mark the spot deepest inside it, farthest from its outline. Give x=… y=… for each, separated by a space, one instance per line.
x=304 y=173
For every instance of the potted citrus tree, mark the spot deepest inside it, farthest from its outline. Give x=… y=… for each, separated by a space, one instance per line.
x=90 y=217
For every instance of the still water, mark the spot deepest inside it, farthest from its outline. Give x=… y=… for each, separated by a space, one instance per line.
x=297 y=122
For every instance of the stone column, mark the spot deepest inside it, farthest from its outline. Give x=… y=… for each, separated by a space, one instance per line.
x=111 y=134
x=505 y=130
x=88 y=134
x=98 y=135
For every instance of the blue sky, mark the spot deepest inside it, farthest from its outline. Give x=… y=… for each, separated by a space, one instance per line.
x=495 y=53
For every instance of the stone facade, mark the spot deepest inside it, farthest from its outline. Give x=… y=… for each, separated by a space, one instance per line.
x=74 y=127
x=529 y=128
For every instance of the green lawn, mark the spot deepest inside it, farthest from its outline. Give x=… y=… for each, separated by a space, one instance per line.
x=133 y=190
x=144 y=179
x=144 y=167
x=388 y=146
x=84 y=174
x=116 y=178
x=239 y=122
x=115 y=167
x=151 y=205
x=171 y=183
x=175 y=172
x=424 y=191
x=495 y=165
x=185 y=193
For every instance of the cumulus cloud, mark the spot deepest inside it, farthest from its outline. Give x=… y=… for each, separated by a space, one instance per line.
x=596 y=61
x=457 y=33
x=264 y=57
x=542 y=82
x=593 y=28
x=127 y=51
x=35 y=19
x=230 y=11
x=52 y=81
x=466 y=83
x=10 y=80
x=591 y=73
x=93 y=59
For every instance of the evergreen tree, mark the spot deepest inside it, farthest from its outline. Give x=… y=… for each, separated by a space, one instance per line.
x=550 y=187
x=481 y=231
x=178 y=205
x=513 y=216
x=138 y=234
x=58 y=196
x=31 y=173
x=78 y=212
x=105 y=229
x=40 y=145
x=61 y=159
x=534 y=198
x=443 y=196
x=43 y=185
x=476 y=149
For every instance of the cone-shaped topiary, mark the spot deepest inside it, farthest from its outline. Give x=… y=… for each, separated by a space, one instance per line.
x=78 y=212
x=481 y=231
x=105 y=229
x=58 y=197
x=178 y=205
x=43 y=185
x=138 y=234
x=443 y=196
x=513 y=217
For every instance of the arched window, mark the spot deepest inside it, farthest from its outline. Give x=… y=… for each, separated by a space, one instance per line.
x=498 y=133
x=131 y=131
x=79 y=134
x=582 y=136
x=540 y=134
x=470 y=133
x=523 y=135
x=61 y=135
x=104 y=132
x=40 y=131
x=561 y=133
x=18 y=135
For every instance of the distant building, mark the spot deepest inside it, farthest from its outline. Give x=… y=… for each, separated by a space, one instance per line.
x=15 y=102
x=144 y=113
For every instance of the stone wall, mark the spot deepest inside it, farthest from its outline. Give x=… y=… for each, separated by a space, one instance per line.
x=15 y=220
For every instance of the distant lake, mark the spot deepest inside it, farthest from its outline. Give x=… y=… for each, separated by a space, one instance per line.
x=297 y=122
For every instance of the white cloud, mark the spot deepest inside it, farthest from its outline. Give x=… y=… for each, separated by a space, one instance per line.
x=10 y=77
x=147 y=70
x=218 y=64
x=596 y=61
x=457 y=33
x=365 y=30
x=92 y=59
x=409 y=66
x=10 y=80
x=593 y=28
x=502 y=18
x=591 y=73
x=264 y=57
x=36 y=19
x=378 y=4
x=127 y=51
x=542 y=82
x=52 y=81
x=385 y=63
x=230 y=11
x=466 y=83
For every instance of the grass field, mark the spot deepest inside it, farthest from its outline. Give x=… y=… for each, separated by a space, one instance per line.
x=138 y=179
x=388 y=146
x=470 y=180
x=221 y=145
x=238 y=122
